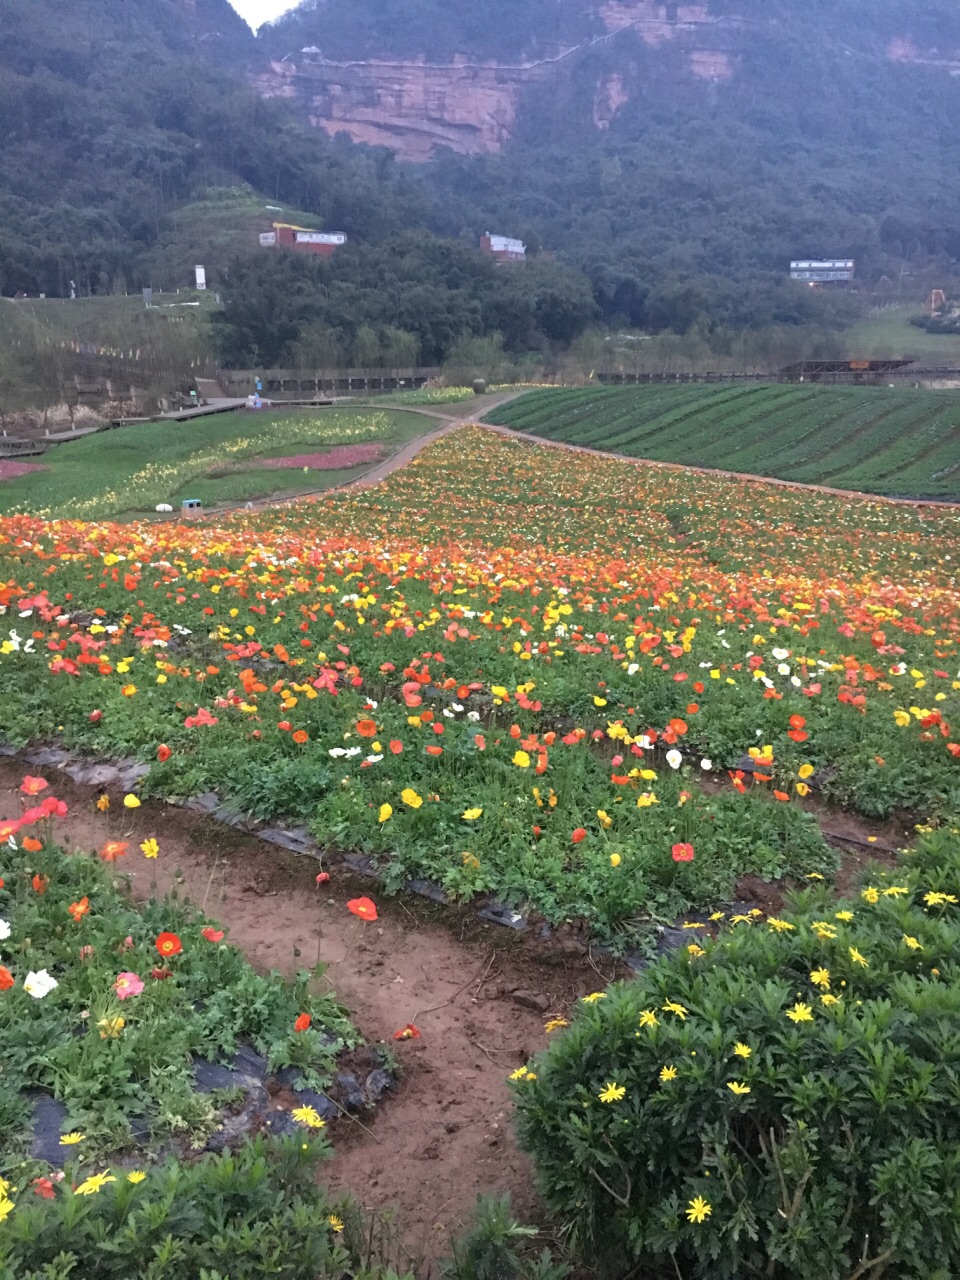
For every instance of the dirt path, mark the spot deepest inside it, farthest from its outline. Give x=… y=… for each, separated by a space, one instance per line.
x=444 y=1136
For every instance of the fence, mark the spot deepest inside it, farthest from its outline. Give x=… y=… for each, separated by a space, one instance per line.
x=293 y=383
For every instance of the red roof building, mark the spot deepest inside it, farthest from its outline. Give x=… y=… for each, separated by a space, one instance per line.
x=303 y=239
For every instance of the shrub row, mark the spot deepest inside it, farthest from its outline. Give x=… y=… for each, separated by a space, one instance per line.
x=779 y=1102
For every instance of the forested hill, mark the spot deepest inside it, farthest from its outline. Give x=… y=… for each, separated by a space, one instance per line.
x=679 y=153
x=669 y=158
x=115 y=115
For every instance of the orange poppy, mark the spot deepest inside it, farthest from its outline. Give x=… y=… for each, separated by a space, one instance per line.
x=40 y=884
x=363 y=908
x=113 y=849
x=434 y=751
x=168 y=944
x=79 y=909
x=396 y=746
x=780 y=795
x=33 y=786
x=6 y=978
x=367 y=728
x=409 y=1032
x=578 y=835
x=300 y=737
x=302 y=1023
x=31 y=844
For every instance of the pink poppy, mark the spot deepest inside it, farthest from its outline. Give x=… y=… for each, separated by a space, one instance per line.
x=127 y=985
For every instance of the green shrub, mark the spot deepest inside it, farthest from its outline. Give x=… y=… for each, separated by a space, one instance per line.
x=835 y=1156
x=254 y=1213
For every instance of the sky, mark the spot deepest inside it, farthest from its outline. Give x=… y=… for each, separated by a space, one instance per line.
x=257 y=11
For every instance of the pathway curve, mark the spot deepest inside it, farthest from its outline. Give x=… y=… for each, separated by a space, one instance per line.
x=444 y=1136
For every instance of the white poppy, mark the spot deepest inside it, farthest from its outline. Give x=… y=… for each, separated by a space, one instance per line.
x=5 y=930
x=783 y=669
x=633 y=668
x=780 y=654
x=39 y=984
x=674 y=758
x=706 y=764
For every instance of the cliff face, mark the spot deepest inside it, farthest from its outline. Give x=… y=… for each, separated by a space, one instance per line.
x=472 y=106
x=412 y=107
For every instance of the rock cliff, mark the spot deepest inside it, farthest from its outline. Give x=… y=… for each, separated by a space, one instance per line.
x=472 y=106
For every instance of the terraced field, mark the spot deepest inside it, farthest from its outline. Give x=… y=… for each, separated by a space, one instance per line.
x=899 y=441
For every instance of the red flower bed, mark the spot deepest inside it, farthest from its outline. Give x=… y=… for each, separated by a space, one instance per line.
x=340 y=457
x=10 y=470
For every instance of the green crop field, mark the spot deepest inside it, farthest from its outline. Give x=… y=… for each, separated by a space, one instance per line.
x=899 y=442
x=218 y=459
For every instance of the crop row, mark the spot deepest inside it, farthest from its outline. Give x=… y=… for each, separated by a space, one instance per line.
x=889 y=441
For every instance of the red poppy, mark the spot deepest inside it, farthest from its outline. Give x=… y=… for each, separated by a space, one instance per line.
x=285 y=725
x=409 y=1032
x=396 y=746
x=95 y=717
x=6 y=978
x=168 y=944
x=363 y=908
x=211 y=934
x=160 y=974
x=113 y=849
x=33 y=786
x=797 y=722
x=43 y=1187
x=323 y=877
x=32 y=845
x=163 y=753
x=51 y=805
x=367 y=728
x=302 y=1022
x=9 y=828
x=682 y=852
x=578 y=835
x=434 y=750
x=40 y=884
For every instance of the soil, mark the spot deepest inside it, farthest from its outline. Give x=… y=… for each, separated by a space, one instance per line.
x=444 y=1135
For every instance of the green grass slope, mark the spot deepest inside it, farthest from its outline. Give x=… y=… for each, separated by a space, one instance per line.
x=128 y=471
x=890 y=334
x=876 y=440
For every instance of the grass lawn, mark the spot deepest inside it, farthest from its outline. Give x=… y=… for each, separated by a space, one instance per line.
x=130 y=470
x=890 y=333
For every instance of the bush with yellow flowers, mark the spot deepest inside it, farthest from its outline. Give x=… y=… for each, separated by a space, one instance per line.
x=257 y=1211
x=781 y=1101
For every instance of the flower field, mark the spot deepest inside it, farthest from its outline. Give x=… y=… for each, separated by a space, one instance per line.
x=111 y=1012
x=876 y=440
x=588 y=688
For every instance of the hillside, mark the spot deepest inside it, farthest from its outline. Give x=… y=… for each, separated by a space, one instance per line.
x=903 y=443
x=116 y=116
x=679 y=154
x=671 y=158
